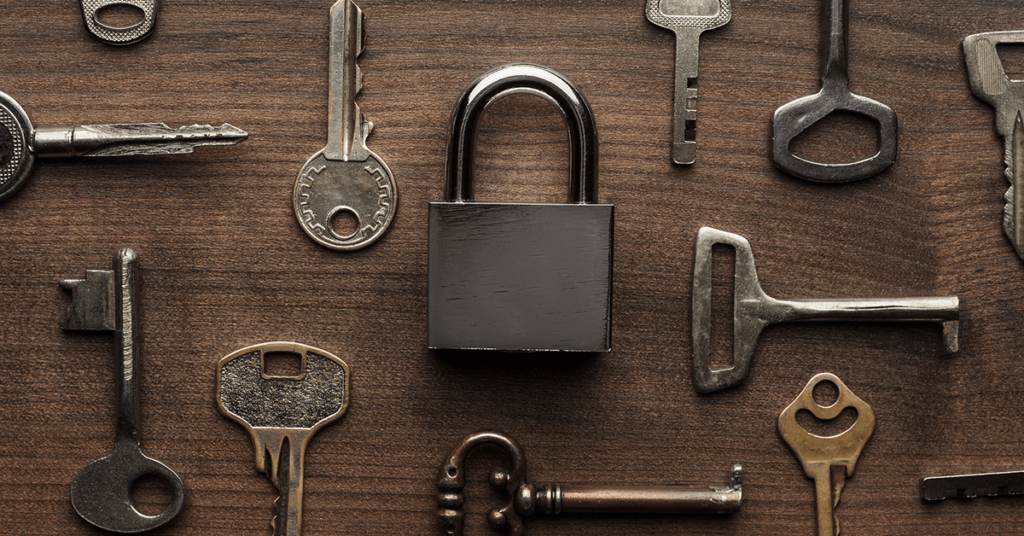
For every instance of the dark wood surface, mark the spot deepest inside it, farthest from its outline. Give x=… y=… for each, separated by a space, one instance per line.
x=225 y=265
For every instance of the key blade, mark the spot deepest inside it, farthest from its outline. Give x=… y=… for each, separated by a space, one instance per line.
x=347 y=129
x=153 y=138
x=1013 y=214
x=969 y=486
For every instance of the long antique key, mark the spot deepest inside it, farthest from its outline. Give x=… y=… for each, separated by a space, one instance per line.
x=688 y=19
x=525 y=499
x=282 y=413
x=795 y=117
x=20 y=144
x=753 y=310
x=990 y=83
x=345 y=177
x=101 y=493
x=827 y=460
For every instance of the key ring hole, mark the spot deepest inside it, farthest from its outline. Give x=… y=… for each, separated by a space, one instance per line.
x=851 y=136
x=6 y=146
x=283 y=366
x=826 y=393
x=119 y=17
x=1011 y=55
x=832 y=427
x=344 y=223
x=152 y=494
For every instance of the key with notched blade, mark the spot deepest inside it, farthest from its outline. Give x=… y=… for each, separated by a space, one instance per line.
x=21 y=144
x=282 y=413
x=937 y=488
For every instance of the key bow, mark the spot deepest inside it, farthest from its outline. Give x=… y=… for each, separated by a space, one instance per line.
x=451 y=479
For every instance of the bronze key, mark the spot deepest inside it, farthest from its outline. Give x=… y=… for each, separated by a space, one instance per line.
x=828 y=460
x=525 y=499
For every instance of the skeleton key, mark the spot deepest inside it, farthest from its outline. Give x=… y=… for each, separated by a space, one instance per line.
x=827 y=460
x=282 y=413
x=101 y=493
x=688 y=19
x=345 y=177
x=753 y=310
x=525 y=499
x=937 y=488
x=20 y=144
x=119 y=35
x=990 y=83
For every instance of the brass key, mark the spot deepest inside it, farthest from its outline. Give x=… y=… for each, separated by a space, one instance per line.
x=827 y=460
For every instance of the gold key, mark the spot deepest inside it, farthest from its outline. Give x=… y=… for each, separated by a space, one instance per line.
x=828 y=460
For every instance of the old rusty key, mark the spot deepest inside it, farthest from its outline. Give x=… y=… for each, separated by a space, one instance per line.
x=281 y=413
x=525 y=499
x=828 y=460
x=106 y=300
x=753 y=310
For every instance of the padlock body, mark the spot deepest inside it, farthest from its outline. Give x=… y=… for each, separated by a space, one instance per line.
x=520 y=277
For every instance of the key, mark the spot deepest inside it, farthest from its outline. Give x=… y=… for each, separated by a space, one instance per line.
x=753 y=310
x=792 y=119
x=937 y=488
x=281 y=413
x=101 y=493
x=345 y=178
x=20 y=144
x=116 y=35
x=990 y=83
x=827 y=460
x=525 y=499
x=688 y=19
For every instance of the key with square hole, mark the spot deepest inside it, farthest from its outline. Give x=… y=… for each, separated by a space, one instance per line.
x=791 y=119
x=937 y=488
x=20 y=144
x=106 y=300
x=525 y=499
x=990 y=83
x=281 y=414
x=688 y=19
x=827 y=460
x=753 y=310
x=345 y=177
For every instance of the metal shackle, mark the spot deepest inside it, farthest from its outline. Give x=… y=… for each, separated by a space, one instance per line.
x=522 y=78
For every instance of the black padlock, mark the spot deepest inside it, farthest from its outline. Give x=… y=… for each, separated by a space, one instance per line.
x=521 y=276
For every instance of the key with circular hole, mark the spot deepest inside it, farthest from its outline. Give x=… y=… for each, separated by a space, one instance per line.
x=119 y=35
x=753 y=310
x=21 y=144
x=525 y=499
x=106 y=300
x=281 y=414
x=794 y=118
x=345 y=178
x=827 y=460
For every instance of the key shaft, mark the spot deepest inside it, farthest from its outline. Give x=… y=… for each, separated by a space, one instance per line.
x=347 y=128
x=130 y=139
x=281 y=454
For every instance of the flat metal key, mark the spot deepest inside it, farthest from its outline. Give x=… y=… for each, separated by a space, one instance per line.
x=688 y=19
x=525 y=499
x=794 y=118
x=753 y=310
x=102 y=492
x=827 y=460
x=937 y=488
x=990 y=83
x=21 y=144
x=345 y=178
x=281 y=413
x=119 y=35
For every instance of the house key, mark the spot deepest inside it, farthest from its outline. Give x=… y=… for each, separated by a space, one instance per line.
x=345 y=177
x=20 y=144
x=827 y=460
x=101 y=493
x=281 y=414
x=119 y=35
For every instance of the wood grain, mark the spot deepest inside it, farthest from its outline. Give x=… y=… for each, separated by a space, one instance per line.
x=224 y=263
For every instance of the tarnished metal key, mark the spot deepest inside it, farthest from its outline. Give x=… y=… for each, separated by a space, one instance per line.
x=827 y=460
x=937 y=488
x=525 y=499
x=753 y=310
x=345 y=178
x=102 y=492
x=990 y=83
x=282 y=413
x=688 y=19
x=20 y=144
x=119 y=35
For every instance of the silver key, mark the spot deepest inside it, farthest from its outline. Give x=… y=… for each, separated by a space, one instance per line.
x=688 y=19
x=990 y=83
x=281 y=414
x=115 y=35
x=937 y=488
x=345 y=177
x=20 y=144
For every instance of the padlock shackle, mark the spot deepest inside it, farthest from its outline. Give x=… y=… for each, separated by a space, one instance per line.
x=522 y=78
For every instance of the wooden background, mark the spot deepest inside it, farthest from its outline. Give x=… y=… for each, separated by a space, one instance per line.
x=225 y=265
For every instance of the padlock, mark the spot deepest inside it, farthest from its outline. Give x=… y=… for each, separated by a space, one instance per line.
x=520 y=276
